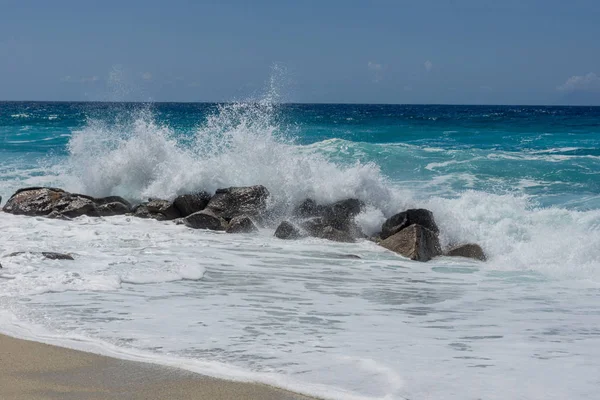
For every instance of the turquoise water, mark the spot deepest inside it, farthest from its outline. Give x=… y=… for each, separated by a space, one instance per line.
x=551 y=153
x=523 y=182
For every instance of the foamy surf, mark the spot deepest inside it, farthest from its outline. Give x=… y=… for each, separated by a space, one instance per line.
x=334 y=320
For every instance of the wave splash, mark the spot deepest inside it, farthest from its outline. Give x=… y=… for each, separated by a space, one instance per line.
x=247 y=143
x=240 y=144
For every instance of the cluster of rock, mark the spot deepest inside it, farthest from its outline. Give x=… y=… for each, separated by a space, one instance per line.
x=411 y=233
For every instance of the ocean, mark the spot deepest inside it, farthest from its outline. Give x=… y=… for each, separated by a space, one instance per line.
x=521 y=181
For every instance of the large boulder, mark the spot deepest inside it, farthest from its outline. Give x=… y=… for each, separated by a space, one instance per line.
x=161 y=210
x=44 y=201
x=57 y=203
x=332 y=221
x=205 y=220
x=114 y=208
x=469 y=250
x=287 y=230
x=188 y=204
x=415 y=242
x=234 y=201
x=241 y=224
x=308 y=209
x=407 y=218
x=340 y=215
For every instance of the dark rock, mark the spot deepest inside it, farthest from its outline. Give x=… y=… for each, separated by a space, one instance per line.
x=141 y=211
x=404 y=219
x=56 y=203
x=35 y=201
x=161 y=210
x=47 y=254
x=231 y=202
x=188 y=204
x=467 y=250
x=415 y=242
x=163 y=207
x=340 y=214
x=111 y=199
x=313 y=226
x=204 y=220
x=110 y=209
x=241 y=224
x=307 y=209
x=336 y=235
x=287 y=230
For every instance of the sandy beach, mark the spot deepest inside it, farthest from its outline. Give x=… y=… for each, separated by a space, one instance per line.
x=36 y=371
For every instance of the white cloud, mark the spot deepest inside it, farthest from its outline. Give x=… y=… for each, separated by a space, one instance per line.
x=376 y=69
x=83 y=79
x=428 y=65
x=147 y=76
x=587 y=83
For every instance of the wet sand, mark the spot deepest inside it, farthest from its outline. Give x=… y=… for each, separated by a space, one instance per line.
x=36 y=371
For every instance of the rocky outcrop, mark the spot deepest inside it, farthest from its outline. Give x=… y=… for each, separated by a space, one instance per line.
x=188 y=204
x=415 y=242
x=287 y=230
x=57 y=203
x=406 y=218
x=241 y=224
x=205 y=220
x=46 y=254
x=236 y=201
x=469 y=250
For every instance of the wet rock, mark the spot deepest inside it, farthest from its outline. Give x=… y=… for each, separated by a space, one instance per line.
x=287 y=230
x=163 y=207
x=204 y=220
x=469 y=250
x=56 y=203
x=404 y=219
x=230 y=202
x=110 y=209
x=340 y=215
x=42 y=201
x=415 y=242
x=161 y=210
x=308 y=209
x=47 y=254
x=188 y=204
x=313 y=226
x=241 y=224
x=110 y=199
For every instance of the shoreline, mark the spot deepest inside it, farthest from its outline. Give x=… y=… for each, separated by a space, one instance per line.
x=38 y=371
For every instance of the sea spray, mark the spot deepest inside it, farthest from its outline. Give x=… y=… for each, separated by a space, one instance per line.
x=239 y=145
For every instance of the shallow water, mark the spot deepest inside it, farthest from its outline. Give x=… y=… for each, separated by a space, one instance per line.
x=522 y=182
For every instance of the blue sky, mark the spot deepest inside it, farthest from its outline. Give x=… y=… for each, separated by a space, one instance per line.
x=386 y=51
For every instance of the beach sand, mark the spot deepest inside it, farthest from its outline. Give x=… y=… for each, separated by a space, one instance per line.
x=36 y=371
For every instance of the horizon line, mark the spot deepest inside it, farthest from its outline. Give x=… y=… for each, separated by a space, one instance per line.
x=299 y=103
